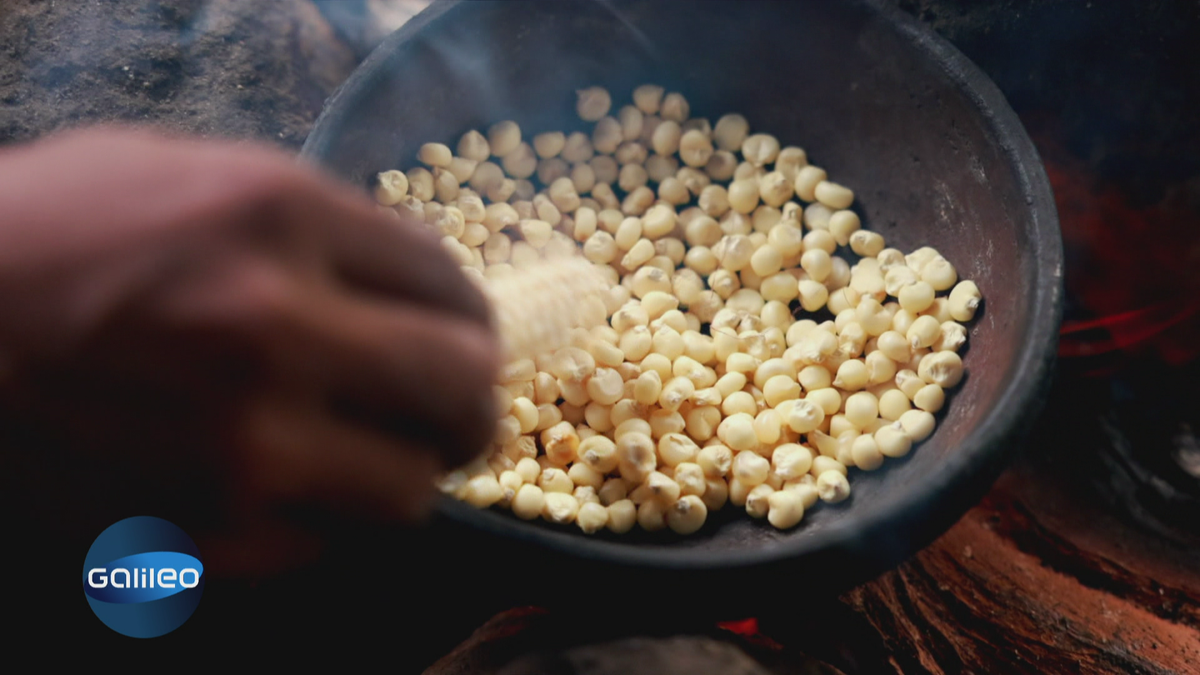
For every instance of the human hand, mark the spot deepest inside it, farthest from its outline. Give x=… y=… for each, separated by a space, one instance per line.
x=215 y=335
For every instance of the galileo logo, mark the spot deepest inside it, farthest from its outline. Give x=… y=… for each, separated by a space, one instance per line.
x=143 y=577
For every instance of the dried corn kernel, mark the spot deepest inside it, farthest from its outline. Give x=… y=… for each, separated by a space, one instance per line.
x=651 y=360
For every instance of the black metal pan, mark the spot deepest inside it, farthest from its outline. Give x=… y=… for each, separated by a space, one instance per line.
x=935 y=153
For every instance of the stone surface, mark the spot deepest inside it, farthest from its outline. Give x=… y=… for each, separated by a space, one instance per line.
x=225 y=68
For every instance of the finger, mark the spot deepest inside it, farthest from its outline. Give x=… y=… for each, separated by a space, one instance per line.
x=258 y=547
x=409 y=371
x=245 y=183
x=291 y=453
x=383 y=254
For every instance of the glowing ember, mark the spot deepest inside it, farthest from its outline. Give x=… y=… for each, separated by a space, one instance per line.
x=1128 y=268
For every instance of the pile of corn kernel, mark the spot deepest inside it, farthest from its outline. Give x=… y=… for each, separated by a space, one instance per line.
x=700 y=372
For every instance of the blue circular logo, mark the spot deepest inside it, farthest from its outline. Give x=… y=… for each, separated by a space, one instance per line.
x=143 y=577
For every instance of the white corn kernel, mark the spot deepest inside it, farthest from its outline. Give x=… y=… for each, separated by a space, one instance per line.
x=774 y=189
x=591 y=518
x=892 y=404
x=702 y=421
x=866 y=243
x=791 y=460
x=909 y=382
x=675 y=448
x=923 y=331
x=743 y=195
x=687 y=515
x=780 y=388
x=592 y=103
x=695 y=148
x=578 y=148
x=652 y=516
x=605 y=386
x=758 y=503
x=526 y=413
x=823 y=463
x=554 y=479
x=840 y=424
x=942 y=368
x=676 y=392
x=785 y=509
x=843 y=299
x=894 y=346
x=861 y=408
x=804 y=416
x=730 y=132
x=662 y=488
x=930 y=398
x=816 y=217
x=939 y=274
x=807 y=179
x=940 y=310
x=903 y=320
x=828 y=399
x=647 y=388
x=583 y=475
x=852 y=375
x=598 y=453
x=622 y=515
x=560 y=508
x=737 y=432
x=390 y=187
x=952 y=336
x=675 y=107
x=631 y=120
x=715 y=460
x=648 y=98
x=462 y=168
x=420 y=183
x=832 y=487
x=964 y=301
x=691 y=479
x=503 y=138
x=866 y=453
x=760 y=149
x=817 y=264
x=612 y=491
x=766 y=261
x=527 y=468
x=482 y=491
x=814 y=377
x=790 y=160
x=474 y=146
x=561 y=443
x=880 y=368
x=768 y=427
x=806 y=488
x=833 y=195
x=636 y=456
x=529 y=502
x=918 y=424
x=916 y=297
x=893 y=441
x=843 y=225
x=434 y=154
